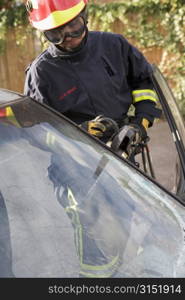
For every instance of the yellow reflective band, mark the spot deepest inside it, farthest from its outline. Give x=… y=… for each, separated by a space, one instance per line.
x=140 y=95
x=11 y=117
x=92 y=271
x=137 y=99
x=75 y=219
x=72 y=201
x=144 y=91
x=58 y=18
x=100 y=272
x=50 y=138
x=89 y=275
x=9 y=112
x=79 y=241
x=101 y=267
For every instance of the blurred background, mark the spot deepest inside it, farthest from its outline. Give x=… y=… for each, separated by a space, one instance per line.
x=156 y=27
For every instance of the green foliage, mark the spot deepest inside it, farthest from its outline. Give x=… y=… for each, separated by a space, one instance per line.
x=12 y=15
x=150 y=24
x=147 y=23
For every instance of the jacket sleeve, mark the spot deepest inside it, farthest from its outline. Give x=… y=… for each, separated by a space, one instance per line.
x=144 y=96
x=35 y=86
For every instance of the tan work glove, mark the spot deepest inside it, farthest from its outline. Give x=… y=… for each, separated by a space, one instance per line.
x=101 y=127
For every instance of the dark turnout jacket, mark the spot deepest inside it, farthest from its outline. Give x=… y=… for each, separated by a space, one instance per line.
x=104 y=78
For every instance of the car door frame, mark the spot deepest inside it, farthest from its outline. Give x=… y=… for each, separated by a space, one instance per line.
x=159 y=83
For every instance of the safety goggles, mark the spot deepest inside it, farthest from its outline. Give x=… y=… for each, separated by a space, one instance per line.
x=73 y=29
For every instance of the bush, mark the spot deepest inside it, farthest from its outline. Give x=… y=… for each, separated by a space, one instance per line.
x=150 y=24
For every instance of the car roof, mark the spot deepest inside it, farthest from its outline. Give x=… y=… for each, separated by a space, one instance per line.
x=7 y=96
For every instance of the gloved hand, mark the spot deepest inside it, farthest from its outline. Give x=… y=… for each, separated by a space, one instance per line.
x=101 y=127
x=139 y=132
x=94 y=127
x=141 y=127
x=129 y=139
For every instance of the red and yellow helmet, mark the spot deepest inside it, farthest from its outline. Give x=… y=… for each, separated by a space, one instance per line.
x=49 y=14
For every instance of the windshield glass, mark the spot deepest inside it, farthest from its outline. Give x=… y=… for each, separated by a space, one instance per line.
x=71 y=208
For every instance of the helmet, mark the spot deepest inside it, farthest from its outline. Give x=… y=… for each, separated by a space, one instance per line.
x=50 y=14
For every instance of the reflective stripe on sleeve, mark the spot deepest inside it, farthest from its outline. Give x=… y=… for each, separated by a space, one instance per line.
x=50 y=139
x=100 y=271
x=140 y=95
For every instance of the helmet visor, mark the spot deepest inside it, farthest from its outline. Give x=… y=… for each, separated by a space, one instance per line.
x=73 y=29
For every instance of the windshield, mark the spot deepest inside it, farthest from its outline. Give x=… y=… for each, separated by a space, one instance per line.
x=71 y=208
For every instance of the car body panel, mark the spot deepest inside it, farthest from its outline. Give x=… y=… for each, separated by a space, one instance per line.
x=7 y=96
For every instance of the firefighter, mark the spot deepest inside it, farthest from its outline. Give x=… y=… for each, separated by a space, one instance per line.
x=84 y=74
x=87 y=75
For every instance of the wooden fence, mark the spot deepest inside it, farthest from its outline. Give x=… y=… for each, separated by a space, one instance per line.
x=16 y=58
